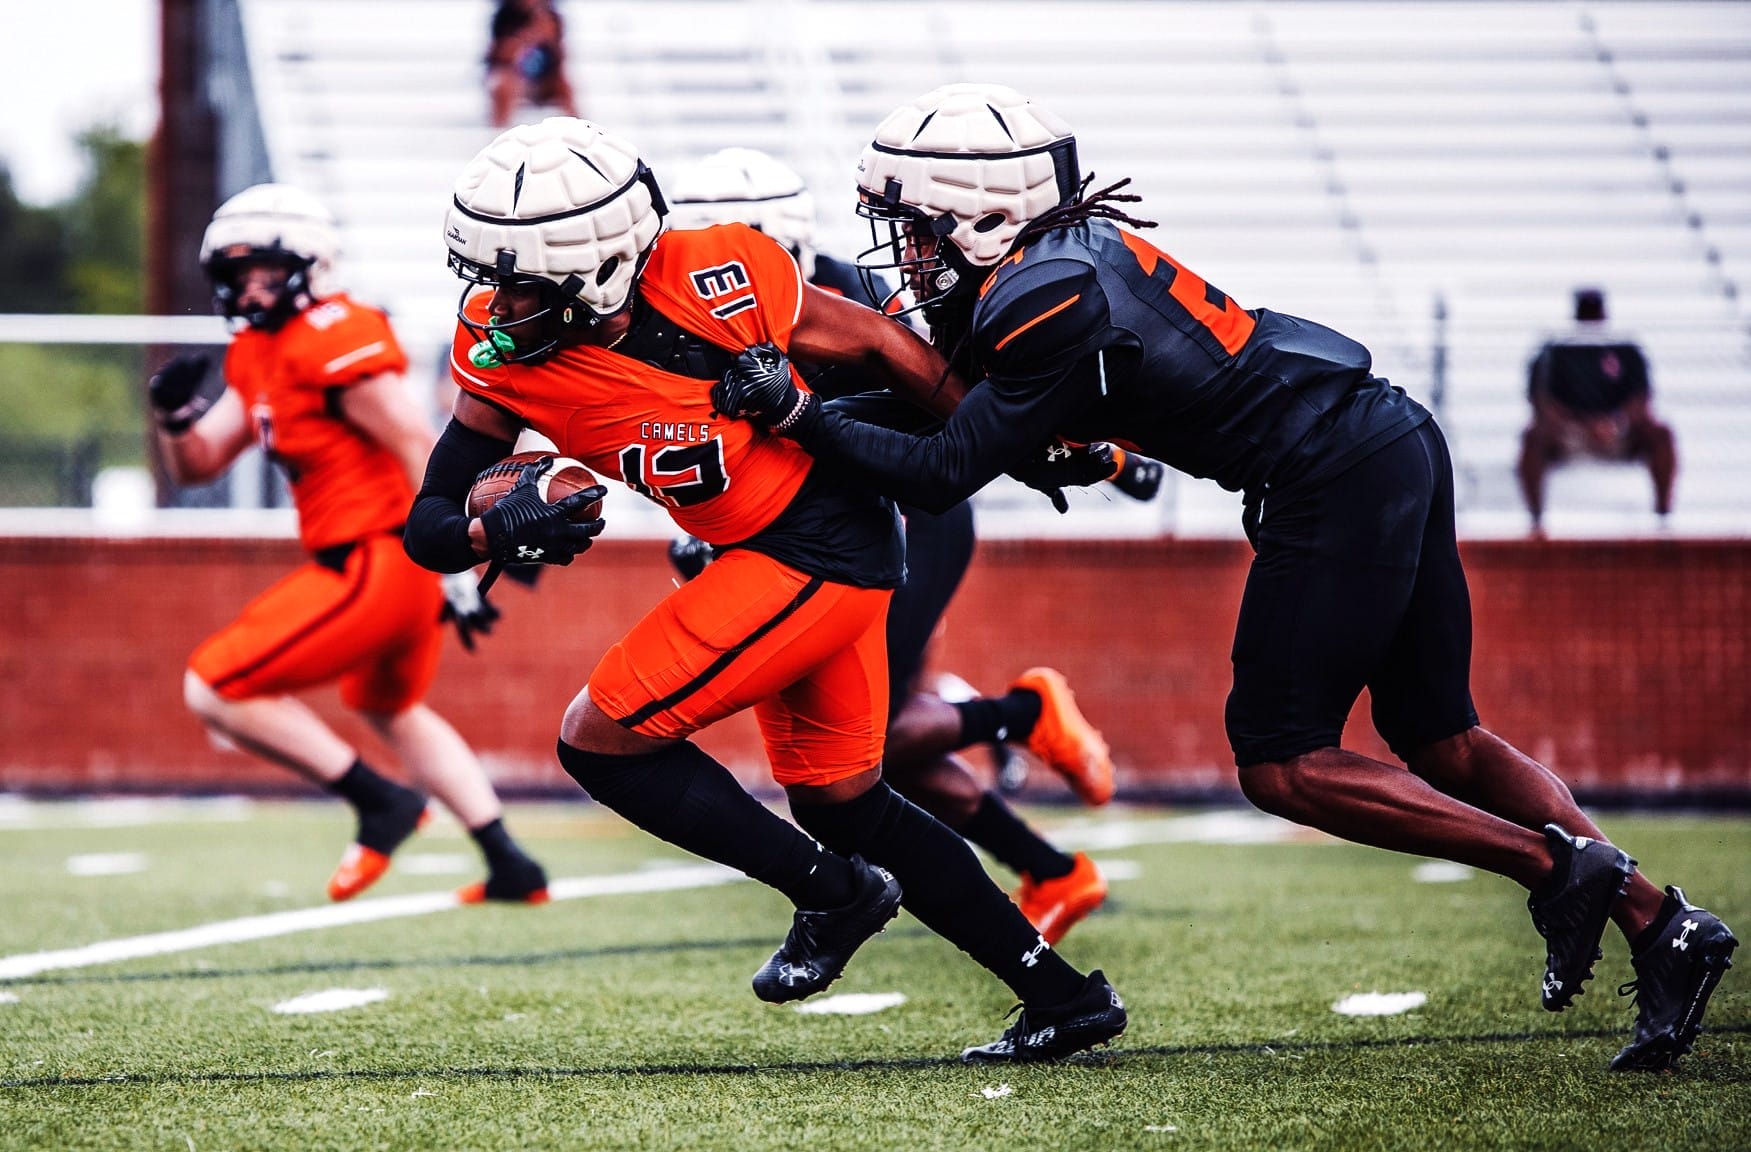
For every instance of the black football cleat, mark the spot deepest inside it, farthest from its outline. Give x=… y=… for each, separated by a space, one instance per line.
x=518 y=880
x=1674 y=977
x=821 y=943
x=1572 y=910
x=1095 y=1016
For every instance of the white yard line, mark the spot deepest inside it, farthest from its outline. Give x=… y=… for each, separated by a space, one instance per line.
x=1211 y=827
x=335 y=915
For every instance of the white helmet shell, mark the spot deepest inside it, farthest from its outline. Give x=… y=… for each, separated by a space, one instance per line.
x=569 y=201
x=271 y=218
x=747 y=186
x=982 y=153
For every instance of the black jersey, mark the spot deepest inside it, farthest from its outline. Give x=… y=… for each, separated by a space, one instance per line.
x=1090 y=333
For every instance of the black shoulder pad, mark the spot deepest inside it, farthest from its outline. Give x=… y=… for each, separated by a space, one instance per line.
x=663 y=343
x=1039 y=317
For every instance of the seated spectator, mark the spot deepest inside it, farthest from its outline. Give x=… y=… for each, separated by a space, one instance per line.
x=526 y=62
x=1590 y=392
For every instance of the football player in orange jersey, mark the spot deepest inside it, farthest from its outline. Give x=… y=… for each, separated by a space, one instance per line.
x=316 y=379
x=925 y=731
x=609 y=338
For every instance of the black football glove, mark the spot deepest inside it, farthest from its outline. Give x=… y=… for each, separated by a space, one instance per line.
x=175 y=393
x=760 y=386
x=1058 y=466
x=1138 y=476
x=472 y=613
x=689 y=555
x=522 y=528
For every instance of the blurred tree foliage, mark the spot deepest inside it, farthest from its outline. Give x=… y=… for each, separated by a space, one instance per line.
x=71 y=407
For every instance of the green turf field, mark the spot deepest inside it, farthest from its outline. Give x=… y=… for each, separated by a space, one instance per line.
x=626 y=1021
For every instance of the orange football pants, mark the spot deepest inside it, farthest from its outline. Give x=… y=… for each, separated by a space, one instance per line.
x=809 y=656
x=373 y=626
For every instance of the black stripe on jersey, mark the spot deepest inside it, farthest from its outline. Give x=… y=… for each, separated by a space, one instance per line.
x=729 y=656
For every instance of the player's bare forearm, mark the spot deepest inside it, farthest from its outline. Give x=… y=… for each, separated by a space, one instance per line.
x=203 y=452
x=834 y=330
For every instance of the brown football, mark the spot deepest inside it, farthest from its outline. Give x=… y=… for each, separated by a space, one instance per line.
x=561 y=478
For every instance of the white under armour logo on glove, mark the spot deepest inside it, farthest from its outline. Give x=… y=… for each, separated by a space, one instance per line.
x=1058 y=452
x=525 y=552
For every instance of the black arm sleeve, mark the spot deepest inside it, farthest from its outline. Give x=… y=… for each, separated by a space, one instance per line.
x=436 y=535
x=995 y=427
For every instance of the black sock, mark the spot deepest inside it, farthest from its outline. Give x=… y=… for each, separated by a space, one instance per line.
x=1008 y=717
x=363 y=788
x=690 y=800
x=996 y=828
x=388 y=813
x=945 y=888
x=495 y=843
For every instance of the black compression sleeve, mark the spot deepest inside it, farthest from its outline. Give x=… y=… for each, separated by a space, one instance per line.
x=436 y=536
x=992 y=430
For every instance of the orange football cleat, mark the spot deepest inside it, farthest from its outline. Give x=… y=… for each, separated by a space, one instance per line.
x=1054 y=906
x=1065 y=739
x=360 y=867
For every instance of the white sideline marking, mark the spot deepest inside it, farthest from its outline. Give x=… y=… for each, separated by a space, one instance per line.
x=852 y=1004
x=106 y=864
x=1120 y=869
x=330 y=1000
x=1441 y=872
x=1207 y=828
x=118 y=812
x=433 y=864
x=1379 y=1003
x=997 y=1093
x=335 y=915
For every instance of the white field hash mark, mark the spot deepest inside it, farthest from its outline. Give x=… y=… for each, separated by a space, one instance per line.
x=330 y=1000
x=1380 y=1003
x=852 y=1004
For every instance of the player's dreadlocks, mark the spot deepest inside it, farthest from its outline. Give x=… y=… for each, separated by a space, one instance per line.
x=1100 y=205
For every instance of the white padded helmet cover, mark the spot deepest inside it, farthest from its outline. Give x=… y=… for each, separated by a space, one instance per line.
x=278 y=217
x=745 y=186
x=564 y=196
x=970 y=151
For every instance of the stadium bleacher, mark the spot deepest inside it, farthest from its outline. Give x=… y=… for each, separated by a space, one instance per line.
x=1353 y=162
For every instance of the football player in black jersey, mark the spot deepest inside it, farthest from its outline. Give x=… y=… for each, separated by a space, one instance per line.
x=1071 y=327
x=746 y=186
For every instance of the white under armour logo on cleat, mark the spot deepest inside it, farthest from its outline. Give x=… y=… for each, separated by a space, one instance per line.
x=1551 y=983
x=1682 y=943
x=1032 y=955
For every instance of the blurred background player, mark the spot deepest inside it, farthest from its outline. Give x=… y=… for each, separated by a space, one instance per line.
x=526 y=61
x=587 y=321
x=1591 y=394
x=1073 y=326
x=746 y=186
x=316 y=379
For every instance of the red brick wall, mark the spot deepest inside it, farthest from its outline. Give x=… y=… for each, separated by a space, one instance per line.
x=1618 y=664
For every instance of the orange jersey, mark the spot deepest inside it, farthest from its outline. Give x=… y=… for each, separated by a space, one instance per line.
x=346 y=485
x=721 y=479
